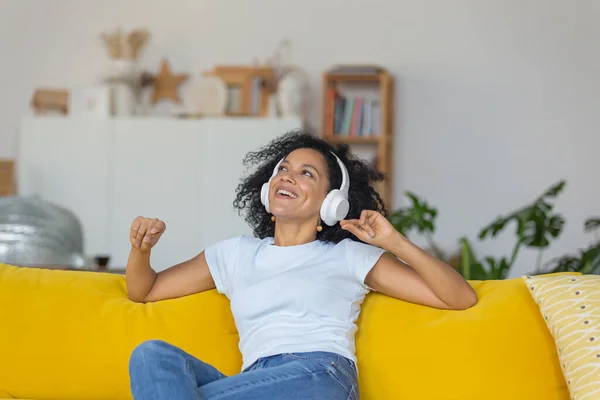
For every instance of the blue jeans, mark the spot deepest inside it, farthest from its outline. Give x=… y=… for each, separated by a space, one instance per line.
x=160 y=371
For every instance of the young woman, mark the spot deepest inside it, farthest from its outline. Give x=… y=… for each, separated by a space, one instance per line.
x=321 y=243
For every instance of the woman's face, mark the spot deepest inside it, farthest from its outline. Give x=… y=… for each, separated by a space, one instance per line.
x=300 y=185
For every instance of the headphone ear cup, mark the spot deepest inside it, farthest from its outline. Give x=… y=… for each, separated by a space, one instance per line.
x=335 y=207
x=324 y=207
x=264 y=195
x=342 y=208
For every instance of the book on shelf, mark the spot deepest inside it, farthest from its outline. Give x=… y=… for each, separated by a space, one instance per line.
x=352 y=115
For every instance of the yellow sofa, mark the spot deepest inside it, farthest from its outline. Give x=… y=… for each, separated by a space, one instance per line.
x=68 y=335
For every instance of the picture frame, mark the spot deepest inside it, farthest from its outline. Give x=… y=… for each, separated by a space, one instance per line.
x=248 y=89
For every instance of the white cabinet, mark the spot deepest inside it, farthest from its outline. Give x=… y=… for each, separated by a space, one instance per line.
x=156 y=173
x=67 y=162
x=109 y=171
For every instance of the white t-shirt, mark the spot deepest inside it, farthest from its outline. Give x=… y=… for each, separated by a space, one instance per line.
x=293 y=298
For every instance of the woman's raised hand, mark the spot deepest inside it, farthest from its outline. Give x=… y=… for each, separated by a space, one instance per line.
x=145 y=232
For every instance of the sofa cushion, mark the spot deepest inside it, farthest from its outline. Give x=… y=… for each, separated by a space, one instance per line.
x=68 y=334
x=71 y=333
x=570 y=305
x=499 y=349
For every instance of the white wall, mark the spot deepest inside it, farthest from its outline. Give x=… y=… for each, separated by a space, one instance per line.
x=497 y=99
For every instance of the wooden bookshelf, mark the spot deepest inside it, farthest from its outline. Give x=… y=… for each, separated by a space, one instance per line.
x=362 y=120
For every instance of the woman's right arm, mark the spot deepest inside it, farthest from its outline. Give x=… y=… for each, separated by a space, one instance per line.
x=144 y=284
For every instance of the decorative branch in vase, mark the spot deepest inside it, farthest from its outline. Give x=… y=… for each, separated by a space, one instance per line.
x=127 y=47
x=125 y=76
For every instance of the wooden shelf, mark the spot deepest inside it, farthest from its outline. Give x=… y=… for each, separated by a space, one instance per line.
x=380 y=118
x=354 y=139
x=354 y=77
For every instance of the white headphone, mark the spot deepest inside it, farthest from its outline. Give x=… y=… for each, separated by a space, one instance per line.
x=335 y=206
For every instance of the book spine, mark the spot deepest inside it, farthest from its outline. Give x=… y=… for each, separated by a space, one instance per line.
x=356 y=116
x=338 y=114
x=348 y=109
x=329 y=110
x=364 y=125
x=376 y=116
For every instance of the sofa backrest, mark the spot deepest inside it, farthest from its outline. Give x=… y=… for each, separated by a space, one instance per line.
x=69 y=334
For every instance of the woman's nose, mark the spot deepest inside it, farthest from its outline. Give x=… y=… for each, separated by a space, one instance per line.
x=286 y=176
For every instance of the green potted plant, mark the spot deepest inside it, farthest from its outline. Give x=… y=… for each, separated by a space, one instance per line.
x=536 y=226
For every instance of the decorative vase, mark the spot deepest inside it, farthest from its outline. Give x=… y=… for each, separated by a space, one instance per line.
x=123 y=100
x=125 y=80
x=292 y=91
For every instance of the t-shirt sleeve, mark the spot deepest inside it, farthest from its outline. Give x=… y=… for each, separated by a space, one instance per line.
x=220 y=258
x=362 y=258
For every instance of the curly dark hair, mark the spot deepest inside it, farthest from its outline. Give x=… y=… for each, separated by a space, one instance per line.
x=361 y=196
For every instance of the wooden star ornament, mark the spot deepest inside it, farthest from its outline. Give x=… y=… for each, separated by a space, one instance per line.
x=166 y=84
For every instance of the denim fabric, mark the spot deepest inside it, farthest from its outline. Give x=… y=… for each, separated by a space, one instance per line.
x=161 y=371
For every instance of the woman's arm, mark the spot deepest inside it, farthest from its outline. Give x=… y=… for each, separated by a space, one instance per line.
x=421 y=279
x=144 y=284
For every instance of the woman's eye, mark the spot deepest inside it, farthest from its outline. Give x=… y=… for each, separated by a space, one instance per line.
x=282 y=168
x=308 y=173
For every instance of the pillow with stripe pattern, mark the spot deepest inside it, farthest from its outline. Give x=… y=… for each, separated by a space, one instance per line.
x=570 y=305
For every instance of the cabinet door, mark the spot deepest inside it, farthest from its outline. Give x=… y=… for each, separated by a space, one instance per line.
x=155 y=172
x=65 y=161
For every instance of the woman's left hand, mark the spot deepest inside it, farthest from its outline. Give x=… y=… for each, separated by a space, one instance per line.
x=372 y=228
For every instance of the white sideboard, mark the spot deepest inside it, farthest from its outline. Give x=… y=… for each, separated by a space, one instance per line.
x=108 y=172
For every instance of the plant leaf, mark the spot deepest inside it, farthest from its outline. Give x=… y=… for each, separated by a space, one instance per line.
x=586 y=262
x=555 y=190
x=592 y=224
x=540 y=228
x=418 y=216
x=504 y=268
x=478 y=272
x=531 y=219
x=590 y=259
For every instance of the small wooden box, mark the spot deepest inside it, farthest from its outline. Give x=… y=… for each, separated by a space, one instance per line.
x=7 y=178
x=50 y=99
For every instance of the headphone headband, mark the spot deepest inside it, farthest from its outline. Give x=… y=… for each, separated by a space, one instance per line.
x=345 y=186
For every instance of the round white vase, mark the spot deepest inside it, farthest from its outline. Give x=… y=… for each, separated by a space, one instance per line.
x=125 y=77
